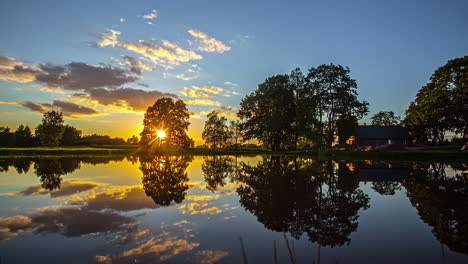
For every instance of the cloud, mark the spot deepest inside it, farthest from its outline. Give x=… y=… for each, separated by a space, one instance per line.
x=122 y=20
x=68 y=108
x=152 y=15
x=16 y=71
x=194 y=93
x=109 y=38
x=226 y=111
x=129 y=98
x=82 y=76
x=166 y=56
x=124 y=199
x=133 y=64
x=157 y=249
x=67 y=188
x=210 y=256
x=230 y=83
x=202 y=102
x=207 y=43
x=67 y=221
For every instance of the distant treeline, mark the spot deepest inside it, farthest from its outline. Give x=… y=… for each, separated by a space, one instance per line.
x=53 y=132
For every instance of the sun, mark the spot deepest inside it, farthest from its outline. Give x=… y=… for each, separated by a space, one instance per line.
x=161 y=134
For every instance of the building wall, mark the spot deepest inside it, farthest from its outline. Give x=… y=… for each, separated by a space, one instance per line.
x=381 y=141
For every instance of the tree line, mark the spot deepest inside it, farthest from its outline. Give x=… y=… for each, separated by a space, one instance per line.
x=52 y=131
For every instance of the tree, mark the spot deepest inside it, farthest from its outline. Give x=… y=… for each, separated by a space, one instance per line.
x=133 y=140
x=385 y=118
x=51 y=129
x=71 y=136
x=7 y=139
x=215 y=131
x=170 y=117
x=336 y=97
x=440 y=106
x=23 y=136
x=269 y=113
x=305 y=122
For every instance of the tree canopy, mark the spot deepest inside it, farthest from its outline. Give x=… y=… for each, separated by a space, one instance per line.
x=385 y=118
x=216 y=132
x=169 y=116
x=440 y=106
x=51 y=129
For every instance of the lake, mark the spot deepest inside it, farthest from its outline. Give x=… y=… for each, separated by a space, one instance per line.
x=228 y=209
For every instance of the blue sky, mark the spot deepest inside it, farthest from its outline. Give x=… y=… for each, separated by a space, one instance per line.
x=391 y=47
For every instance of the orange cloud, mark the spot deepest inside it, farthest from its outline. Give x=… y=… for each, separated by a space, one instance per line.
x=207 y=43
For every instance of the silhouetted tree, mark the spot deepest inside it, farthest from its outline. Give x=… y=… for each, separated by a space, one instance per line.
x=269 y=113
x=440 y=106
x=7 y=139
x=385 y=118
x=133 y=140
x=51 y=129
x=170 y=116
x=336 y=97
x=235 y=133
x=50 y=170
x=216 y=132
x=165 y=178
x=23 y=137
x=71 y=136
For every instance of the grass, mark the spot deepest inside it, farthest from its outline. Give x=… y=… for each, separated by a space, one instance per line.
x=446 y=154
x=64 y=151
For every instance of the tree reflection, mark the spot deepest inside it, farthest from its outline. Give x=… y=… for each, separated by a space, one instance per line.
x=216 y=169
x=165 y=178
x=442 y=203
x=50 y=171
x=296 y=195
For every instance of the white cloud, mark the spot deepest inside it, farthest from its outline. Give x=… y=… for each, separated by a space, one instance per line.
x=207 y=43
x=152 y=15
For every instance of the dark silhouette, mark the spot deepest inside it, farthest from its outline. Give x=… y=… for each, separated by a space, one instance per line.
x=287 y=195
x=168 y=116
x=442 y=203
x=385 y=118
x=440 y=106
x=51 y=129
x=216 y=132
x=216 y=169
x=165 y=178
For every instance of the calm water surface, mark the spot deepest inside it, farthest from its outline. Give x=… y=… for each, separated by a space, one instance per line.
x=226 y=209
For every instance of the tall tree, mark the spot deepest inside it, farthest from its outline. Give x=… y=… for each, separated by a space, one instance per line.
x=7 y=138
x=336 y=96
x=71 y=136
x=385 y=118
x=216 y=132
x=305 y=121
x=51 y=129
x=170 y=117
x=235 y=133
x=268 y=113
x=23 y=136
x=440 y=106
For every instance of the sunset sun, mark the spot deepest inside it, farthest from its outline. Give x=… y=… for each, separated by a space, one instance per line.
x=161 y=134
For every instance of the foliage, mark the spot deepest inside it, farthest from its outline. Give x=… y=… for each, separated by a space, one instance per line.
x=71 y=136
x=101 y=140
x=7 y=138
x=133 y=140
x=385 y=118
x=268 y=112
x=216 y=169
x=216 y=132
x=51 y=129
x=169 y=116
x=440 y=106
x=336 y=97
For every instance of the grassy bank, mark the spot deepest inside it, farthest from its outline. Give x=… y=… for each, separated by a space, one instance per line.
x=424 y=155
x=64 y=151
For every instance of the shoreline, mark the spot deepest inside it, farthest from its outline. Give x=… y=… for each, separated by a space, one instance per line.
x=422 y=155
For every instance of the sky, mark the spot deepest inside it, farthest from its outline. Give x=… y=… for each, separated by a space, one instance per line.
x=102 y=63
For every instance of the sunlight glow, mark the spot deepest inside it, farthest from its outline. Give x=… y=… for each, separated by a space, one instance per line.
x=161 y=134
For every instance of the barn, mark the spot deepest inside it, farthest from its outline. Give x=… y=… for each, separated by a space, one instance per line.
x=381 y=135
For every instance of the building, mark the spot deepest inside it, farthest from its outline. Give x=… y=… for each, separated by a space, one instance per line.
x=381 y=135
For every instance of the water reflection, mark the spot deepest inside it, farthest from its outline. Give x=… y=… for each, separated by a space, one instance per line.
x=319 y=201
x=442 y=202
x=303 y=196
x=165 y=178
